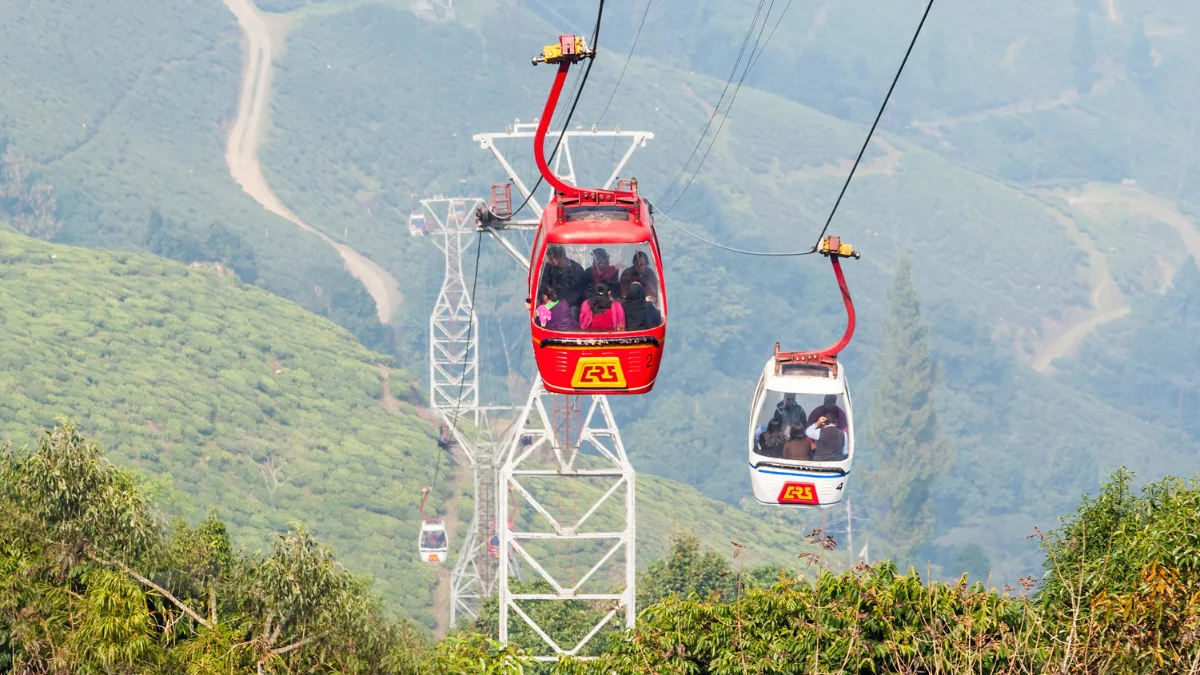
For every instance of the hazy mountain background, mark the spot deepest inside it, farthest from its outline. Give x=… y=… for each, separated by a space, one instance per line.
x=1038 y=161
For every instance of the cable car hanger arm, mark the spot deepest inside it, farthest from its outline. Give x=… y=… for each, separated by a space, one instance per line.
x=569 y=50
x=835 y=250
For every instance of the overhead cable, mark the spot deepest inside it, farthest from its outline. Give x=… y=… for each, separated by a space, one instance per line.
x=874 y=124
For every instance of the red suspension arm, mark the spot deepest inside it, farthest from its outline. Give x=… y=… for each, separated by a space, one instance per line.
x=425 y=495
x=850 y=317
x=539 y=139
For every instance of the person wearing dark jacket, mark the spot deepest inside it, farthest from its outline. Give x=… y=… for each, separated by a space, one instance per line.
x=789 y=412
x=829 y=442
x=830 y=410
x=566 y=276
x=770 y=443
x=601 y=272
x=640 y=314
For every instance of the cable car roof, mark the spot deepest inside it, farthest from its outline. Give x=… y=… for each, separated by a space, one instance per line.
x=805 y=380
x=595 y=222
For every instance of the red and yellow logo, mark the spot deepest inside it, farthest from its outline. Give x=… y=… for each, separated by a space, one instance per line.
x=433 y=557
x=798 y=493
x=598 y=372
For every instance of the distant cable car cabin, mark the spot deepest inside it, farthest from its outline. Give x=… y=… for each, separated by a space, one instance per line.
x=433 y=543
x=416 y=223
x=797 y=390
x=587 y=238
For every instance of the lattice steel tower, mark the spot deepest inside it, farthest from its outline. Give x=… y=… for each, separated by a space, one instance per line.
x=561 y=443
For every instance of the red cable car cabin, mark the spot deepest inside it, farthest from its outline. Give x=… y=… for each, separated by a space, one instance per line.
x=584 y=239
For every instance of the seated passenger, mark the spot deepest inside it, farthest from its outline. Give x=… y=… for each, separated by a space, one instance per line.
x=829 y=442
x=797 y=447
x=565 y=275
x=600 y=272
x=602 y=314
x=639 y=272
x=771 y=442
x=790 y=412
x=830 y=410
x=639 y=313
x=434 y=540
x=554 y=314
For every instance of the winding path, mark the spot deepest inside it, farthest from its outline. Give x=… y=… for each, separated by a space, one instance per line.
x=241 y=155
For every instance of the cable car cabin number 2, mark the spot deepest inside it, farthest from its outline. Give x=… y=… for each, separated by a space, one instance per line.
x=597 y=301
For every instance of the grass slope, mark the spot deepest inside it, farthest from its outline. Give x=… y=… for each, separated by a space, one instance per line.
x=998 y=270
x=125 y=108
x=254 y=406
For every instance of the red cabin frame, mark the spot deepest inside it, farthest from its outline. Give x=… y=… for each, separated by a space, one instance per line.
x=581 y=362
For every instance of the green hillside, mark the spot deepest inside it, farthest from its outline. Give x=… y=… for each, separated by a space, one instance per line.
x=1004 y=113
x=1003 y=269
x=250 y=403
x=125 y=110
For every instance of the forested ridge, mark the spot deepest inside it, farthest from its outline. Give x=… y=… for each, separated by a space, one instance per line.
x=1028 y=211
x=96 y=581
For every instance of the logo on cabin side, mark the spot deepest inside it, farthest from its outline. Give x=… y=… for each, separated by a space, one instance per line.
x=598 y=372
x=433 y=557
x=798 y=493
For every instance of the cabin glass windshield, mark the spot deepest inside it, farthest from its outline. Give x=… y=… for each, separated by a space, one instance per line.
x=433 y=539
x=797 y=411
x=576 y=270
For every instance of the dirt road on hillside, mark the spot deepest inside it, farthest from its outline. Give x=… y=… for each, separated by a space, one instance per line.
x=241 y=154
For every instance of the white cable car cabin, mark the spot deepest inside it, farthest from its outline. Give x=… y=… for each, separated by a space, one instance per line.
x=792 y=468
x=434 y=544
x=816 y=481
x=416 y=223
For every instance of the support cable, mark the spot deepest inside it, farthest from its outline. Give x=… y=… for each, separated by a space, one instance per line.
x=627 y=59
x=849 y=177
x=566 y=124
x=875 y=124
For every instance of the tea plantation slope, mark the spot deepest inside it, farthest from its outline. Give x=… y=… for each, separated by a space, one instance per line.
x=246 y=402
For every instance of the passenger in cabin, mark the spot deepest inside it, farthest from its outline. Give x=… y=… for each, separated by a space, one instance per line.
x=639 y=272
x=602 y=314
x=798 y=447
x=435 y=539
x=771 y=442
x=601 y=272
x=830 y=410
x=790 y=413
x=829 y=442
x=639 y=313
x=553 y=314
x=444 y=438
x=566 y=276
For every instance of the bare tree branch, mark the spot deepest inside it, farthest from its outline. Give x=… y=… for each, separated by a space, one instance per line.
x=162 y=591
x=299 y=644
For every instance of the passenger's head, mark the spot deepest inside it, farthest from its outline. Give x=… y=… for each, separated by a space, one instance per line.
x=830 y=400
x=548 y=293
x=556 y=254
x=636 y=292
x=796 y=433
x=600 y=256
x=775 y=425
x=600 y=300
x=641 y=261
x=789 y=399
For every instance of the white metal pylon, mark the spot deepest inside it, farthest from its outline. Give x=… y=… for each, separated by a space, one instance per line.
x=556 y=442
x=560 y=446
x=454 y=394
x=487 y=141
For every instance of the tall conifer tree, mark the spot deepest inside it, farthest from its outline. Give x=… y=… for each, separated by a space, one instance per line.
x=908 y=449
